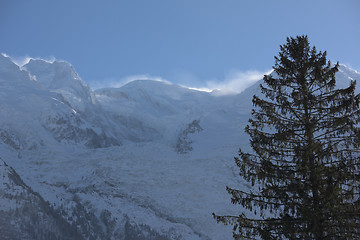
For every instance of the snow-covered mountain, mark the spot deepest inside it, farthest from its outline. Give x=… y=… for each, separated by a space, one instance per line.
x=149 y=160
x=24 y=214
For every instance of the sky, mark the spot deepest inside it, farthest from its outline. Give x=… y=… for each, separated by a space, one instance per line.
x=206 y=44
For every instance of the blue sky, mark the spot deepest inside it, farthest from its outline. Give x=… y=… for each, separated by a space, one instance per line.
x=197 y=43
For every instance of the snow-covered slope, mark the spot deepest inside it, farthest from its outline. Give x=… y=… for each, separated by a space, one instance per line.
x=61 y=77
x=161 y=112
x=24 y=214
x=32 y=116
x=149 y=160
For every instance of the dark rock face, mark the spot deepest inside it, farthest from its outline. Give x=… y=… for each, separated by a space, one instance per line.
x=184 y=142
x=71 y=129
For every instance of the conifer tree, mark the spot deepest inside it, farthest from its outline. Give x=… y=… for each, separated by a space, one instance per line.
x=305 y=159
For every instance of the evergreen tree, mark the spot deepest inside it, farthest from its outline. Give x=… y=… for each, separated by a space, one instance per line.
x=304 y=164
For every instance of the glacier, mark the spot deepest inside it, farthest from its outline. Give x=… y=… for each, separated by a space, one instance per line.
x=148 y=160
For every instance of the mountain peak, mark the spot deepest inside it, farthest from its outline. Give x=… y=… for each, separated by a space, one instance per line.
x=52 y=75
x=61 y=77
x=345 y=75
x=147 y=83
x=6 y=63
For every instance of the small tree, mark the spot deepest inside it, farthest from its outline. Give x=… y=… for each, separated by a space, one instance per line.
x=304 y=167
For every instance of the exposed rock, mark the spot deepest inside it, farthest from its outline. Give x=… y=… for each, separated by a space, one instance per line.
x=184 y=141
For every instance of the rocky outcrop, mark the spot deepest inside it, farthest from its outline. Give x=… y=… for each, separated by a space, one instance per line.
x=184 y=141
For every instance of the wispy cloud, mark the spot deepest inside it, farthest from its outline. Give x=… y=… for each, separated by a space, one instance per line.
x=115 y=83
x=236 y=81
x=20 y=61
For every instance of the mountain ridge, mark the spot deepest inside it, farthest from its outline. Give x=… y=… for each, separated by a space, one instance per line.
x=148 y=160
